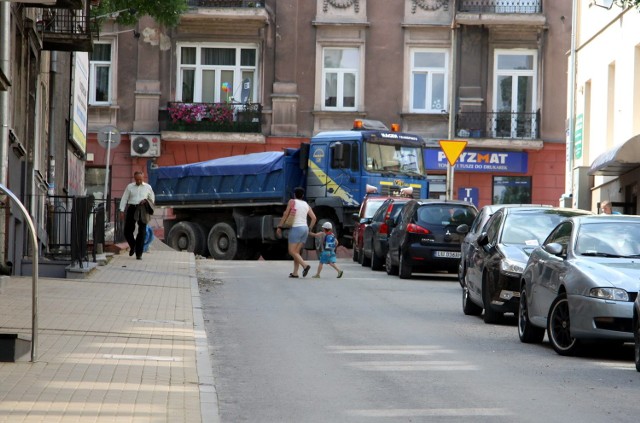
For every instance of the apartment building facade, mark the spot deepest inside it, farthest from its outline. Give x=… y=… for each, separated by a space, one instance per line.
x=605 y=147
x=239 y=76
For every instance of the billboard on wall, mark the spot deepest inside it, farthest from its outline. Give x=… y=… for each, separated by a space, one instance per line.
x=479 y=161
x=79 y=100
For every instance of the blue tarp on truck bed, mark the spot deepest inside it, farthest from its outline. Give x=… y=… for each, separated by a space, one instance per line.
x=266 y=178
x=248 y=164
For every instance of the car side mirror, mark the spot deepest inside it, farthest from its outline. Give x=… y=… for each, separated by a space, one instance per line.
x=463 y=229
x=366 y=220
x=483 y=239
x=553 y=248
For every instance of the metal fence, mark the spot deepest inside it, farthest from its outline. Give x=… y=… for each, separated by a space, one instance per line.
x=498 y=125
x=500 y=6
x=225 y=3
x=77 y=225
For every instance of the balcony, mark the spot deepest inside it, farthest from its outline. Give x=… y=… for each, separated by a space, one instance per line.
x=211 y=121
x=67 y=29
x=238 y=17
x=498 y=125
x=500 y=12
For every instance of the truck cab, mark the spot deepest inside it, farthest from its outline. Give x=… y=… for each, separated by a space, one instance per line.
x=342 y=164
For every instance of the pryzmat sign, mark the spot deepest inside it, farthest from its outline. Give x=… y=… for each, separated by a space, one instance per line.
x=479 y=161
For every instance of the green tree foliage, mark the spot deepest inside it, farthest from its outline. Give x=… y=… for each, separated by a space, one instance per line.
x=127 y=12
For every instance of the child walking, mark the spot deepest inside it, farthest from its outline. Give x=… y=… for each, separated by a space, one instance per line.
x=327 y=247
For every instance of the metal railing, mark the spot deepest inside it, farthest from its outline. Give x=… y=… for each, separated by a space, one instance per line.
x=500 y=6
x=67 y=29
x=76 y=225
x=225 y=3
x=498 y=125
x=212 y=117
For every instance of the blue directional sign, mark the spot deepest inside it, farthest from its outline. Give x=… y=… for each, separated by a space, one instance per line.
x=469 y=194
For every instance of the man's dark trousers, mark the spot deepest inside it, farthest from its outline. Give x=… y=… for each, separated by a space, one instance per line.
x=135 y=244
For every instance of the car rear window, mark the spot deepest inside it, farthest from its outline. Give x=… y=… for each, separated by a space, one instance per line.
x=371 y=207
x=445 y=214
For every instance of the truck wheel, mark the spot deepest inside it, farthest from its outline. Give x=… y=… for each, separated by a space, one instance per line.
x=187 y=236
x=222 y=242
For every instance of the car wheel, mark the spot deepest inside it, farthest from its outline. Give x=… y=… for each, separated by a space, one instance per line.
x=527 y=332
x=559 y=327
x=636 y=336
x=376 y=261
x=469 y=307
x=490 y=315
x=405 y=268
x=391 y=269
x=366 y=261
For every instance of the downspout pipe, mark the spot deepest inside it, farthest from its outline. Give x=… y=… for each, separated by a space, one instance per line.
x=572 y=101
x=5 y=65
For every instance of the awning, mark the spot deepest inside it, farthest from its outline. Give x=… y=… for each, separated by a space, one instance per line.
x=619 y=160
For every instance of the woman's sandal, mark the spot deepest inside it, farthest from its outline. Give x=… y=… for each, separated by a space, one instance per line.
x=306 y=270
x=291 y=275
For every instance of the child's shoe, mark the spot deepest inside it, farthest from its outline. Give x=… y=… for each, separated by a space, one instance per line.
x=315 y=277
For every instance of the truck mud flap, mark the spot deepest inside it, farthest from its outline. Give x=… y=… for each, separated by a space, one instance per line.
x=268 y=230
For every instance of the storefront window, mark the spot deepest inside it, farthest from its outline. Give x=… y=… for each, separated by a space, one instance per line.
x=511 y=190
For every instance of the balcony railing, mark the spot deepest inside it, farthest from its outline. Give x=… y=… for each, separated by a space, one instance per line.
x=500 y=6
x=67 y=29
x=498 y=125
x=225 y=3
x=212 y=117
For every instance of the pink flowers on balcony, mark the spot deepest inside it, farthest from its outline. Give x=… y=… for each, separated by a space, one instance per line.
x=192 y=113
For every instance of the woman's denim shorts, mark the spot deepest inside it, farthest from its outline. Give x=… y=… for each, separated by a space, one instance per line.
x=298 y=234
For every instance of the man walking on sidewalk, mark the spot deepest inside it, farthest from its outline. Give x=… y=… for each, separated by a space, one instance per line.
x=138 y=199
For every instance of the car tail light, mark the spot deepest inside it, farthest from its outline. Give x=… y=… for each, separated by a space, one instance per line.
x=383 y=229
x=412 y=228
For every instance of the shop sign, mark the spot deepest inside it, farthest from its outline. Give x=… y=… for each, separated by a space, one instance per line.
x=479 y=161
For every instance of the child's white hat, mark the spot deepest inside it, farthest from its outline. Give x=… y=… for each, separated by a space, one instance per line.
x=326 y=225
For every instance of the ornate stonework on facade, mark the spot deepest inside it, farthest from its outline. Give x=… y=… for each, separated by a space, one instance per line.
x=341 y=4
x=429 y=5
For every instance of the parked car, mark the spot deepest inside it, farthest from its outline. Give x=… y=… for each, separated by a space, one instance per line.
x=369 y=206
x=498 y=256
x=581 y=283
x=424 y=236
x=376 y=234
x=473 y=232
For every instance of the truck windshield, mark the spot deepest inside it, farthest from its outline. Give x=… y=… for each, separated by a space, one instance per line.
x=393 y=159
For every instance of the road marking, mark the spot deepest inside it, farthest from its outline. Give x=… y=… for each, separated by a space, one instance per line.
x=431 y=412
x=389 y=349
x=408 y=366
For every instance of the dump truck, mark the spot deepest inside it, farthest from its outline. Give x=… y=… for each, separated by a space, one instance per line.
x=229 y=208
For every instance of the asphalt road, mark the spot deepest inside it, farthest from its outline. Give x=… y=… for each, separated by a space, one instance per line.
x=374 y=348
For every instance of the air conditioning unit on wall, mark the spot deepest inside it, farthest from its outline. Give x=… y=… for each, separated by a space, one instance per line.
x=145 y=145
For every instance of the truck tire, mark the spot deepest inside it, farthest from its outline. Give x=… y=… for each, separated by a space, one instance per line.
x=222 y=241
x=187 y=236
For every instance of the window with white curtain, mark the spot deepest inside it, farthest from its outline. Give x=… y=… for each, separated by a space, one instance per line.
x=216 y=73
x=340 y=71
x=429 y=70
x=100 y=73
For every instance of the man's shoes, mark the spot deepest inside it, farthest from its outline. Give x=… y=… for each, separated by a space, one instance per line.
x=131 y=252
x=138 y=257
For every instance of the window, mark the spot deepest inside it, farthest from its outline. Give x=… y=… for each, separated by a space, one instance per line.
x=100 y=73
x=345 y=156
x=514 y=94
x=340 y=69
x=511 y=190
x=429 y=81
x=217 y=73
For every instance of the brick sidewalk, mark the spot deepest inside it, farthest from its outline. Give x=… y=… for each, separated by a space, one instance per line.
x=127 y=344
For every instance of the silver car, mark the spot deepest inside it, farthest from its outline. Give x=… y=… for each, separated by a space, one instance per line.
x=636 y=331
x=581 y=283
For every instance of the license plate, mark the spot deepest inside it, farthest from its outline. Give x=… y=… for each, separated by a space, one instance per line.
x=447 y=254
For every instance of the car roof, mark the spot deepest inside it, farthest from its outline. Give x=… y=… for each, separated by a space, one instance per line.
x=525 y=209
x=423 y=201
x=492 y=208
x=622 y=218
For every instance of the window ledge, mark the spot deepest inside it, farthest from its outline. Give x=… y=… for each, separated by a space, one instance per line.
x=104 y=106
